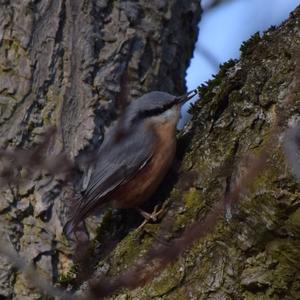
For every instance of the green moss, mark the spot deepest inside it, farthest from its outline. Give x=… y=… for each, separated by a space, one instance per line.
x=230 y=124
x=192 y=198
x=271 y=273
x=206 y=91
x=130 y=249
x=164 y=283
x=192 y=205
x=260 y=296
x=287 y=254
x=105 y=223
x=68 y=279
x=293 y=223
x=14 y=46
x=248 y=46
x=223 y=69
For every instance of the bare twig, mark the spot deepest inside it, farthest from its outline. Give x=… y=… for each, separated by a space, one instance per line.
x=213 y=4
x=35 y=160
x=292 y=135
x=209 y=56
x=156 y=259
x=31 y=274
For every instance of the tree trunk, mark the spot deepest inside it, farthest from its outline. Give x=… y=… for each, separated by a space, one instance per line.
x=232 y=155
x=61 y=63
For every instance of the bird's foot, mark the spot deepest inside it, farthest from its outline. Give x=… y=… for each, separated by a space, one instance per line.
x=153 y=217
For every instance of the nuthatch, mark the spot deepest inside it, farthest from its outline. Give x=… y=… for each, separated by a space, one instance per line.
x=134 y=157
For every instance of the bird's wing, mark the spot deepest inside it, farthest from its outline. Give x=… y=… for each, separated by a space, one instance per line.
x=117 y=162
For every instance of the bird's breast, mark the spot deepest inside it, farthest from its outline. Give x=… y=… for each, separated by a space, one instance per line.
x=145 y=182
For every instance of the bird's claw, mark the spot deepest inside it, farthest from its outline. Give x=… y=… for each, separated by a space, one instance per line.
x=154 y=216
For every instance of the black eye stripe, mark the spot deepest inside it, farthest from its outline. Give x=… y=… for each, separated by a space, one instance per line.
x=153 y=112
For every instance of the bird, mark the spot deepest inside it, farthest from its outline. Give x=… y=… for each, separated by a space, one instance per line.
x=134 y=158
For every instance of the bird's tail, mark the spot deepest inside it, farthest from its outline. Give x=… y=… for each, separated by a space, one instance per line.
x=79 y=230
x=80 y=211
x=73 y=217
x=69 y=228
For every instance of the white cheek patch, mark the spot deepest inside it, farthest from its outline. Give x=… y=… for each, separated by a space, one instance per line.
x=171 y=114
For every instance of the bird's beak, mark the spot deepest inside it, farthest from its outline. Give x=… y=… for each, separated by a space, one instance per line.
x=186 y=97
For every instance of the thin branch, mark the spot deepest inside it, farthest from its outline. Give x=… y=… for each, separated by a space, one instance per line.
x=31 y=274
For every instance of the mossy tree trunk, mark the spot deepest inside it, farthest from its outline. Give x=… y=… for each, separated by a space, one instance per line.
x=231 y=154
x=61 y=64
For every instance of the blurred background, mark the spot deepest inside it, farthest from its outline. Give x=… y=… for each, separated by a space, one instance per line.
x=222 y=30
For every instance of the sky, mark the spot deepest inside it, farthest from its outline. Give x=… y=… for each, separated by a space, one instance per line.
x=223 y=29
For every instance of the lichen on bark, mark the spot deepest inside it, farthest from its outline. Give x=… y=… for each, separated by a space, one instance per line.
x=255 y=254
x=69 y=77
x=61 y=64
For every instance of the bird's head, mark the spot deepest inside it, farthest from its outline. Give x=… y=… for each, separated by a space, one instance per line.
x=159 y=106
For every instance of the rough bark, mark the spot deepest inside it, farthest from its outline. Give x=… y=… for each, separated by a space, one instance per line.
x=232 y=150
x=61 y=63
